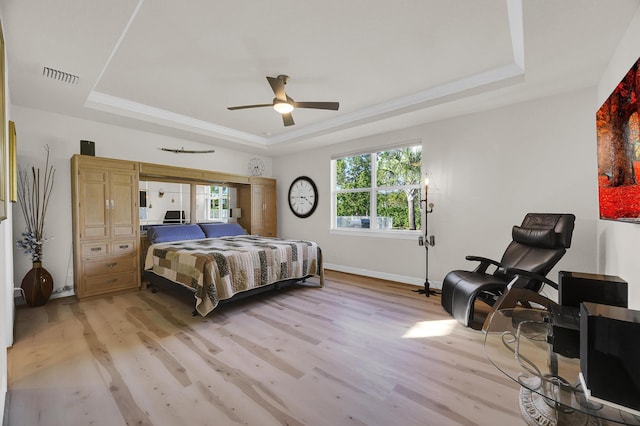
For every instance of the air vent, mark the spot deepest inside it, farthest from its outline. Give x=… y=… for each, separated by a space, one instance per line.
x=62 y=76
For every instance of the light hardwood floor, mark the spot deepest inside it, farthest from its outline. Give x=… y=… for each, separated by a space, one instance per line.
x=336 y=355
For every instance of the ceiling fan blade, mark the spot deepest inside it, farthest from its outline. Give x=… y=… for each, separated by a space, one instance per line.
x=318 y=105
x=277 y=86
x=288 y=119
x=249 y=106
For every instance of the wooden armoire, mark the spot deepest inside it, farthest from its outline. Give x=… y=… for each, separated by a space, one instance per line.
x=105 y=225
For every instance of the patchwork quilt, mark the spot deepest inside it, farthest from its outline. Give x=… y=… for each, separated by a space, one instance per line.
x=218 y=268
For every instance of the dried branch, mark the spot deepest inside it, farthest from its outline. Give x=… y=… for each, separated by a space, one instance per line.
x=34 y=195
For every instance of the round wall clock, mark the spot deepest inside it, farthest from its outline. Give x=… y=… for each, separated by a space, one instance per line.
x=256 y=167
x=303 y=197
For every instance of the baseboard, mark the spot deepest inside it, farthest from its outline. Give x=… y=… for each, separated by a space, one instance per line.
x=63 y=292
x=383 y=275
x=5 y=410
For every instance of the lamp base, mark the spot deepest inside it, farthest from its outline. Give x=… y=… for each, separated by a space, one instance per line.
x=427 y=291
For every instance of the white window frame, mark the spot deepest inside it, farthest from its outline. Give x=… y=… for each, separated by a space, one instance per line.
x=373 y=231
x=222 y=213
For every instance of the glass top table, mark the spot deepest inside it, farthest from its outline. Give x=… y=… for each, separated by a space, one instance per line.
x=550 y=393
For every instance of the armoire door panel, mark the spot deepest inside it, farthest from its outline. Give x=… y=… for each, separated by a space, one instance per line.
x=124 y=212
x=93 y=211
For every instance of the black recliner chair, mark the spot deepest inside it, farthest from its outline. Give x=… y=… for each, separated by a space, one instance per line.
x=538 y=244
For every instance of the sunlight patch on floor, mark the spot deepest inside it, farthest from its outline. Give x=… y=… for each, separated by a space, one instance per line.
x=430 y=329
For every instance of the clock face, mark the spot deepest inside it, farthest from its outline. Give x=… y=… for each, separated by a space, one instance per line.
x=256 y=167
x=303 y=197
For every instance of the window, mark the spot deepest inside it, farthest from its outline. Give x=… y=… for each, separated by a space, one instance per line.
x=378 y=191
x=216 y=202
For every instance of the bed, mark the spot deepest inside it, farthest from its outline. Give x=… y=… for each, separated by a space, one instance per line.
x=221 y=262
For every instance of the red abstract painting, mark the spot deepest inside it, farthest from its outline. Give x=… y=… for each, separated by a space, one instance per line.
x=618 y=129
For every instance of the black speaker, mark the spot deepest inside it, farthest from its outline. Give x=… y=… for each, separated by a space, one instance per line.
x=88 y=148
x=143 y=198
x=610 y=354
x=573 y=289
x=577 y=287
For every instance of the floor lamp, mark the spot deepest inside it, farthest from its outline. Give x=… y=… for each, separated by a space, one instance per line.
x=426 y=240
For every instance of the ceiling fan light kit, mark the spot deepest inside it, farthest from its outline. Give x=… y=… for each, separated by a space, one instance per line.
x=282 y=107
x=284 y=104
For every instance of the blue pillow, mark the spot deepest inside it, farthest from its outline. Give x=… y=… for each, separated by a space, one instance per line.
x=166 y=233
x=214 y=230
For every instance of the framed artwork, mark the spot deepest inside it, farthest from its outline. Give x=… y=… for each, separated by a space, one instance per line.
x=618 y=134
x=13 y=163
x=3 y=142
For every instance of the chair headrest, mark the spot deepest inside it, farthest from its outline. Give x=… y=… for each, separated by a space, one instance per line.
x=543 y=238
x=547 y=230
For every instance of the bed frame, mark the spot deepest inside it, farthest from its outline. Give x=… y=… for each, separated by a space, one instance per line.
x=156 y=282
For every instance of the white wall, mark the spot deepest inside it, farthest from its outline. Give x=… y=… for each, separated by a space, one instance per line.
x=619 y=243
x=36 y=128
x=6 y=300
x=6 y=268
x=488 y=170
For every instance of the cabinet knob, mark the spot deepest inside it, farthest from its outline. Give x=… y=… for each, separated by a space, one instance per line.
x=112 y=281
x=111 y=265
x=96 y=249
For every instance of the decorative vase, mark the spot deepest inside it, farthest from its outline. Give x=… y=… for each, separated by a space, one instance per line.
x=37 y=285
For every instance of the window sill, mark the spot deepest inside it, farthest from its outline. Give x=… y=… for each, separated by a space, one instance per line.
x=398 y=235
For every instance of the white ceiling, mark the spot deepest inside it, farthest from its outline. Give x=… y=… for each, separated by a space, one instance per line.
x=173 y=67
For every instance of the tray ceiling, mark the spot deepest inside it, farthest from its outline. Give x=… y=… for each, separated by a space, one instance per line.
x=174 y=67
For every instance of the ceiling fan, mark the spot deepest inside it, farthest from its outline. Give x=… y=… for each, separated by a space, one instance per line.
x=283 y=104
